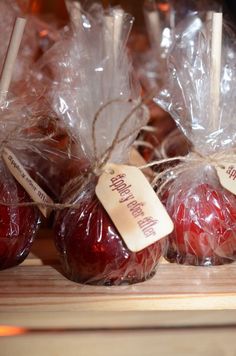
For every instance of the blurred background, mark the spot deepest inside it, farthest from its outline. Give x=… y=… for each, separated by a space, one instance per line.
x=58 y=8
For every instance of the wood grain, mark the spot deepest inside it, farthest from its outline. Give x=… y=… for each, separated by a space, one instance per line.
x=44 y=288
x=131 y=343
x=36 y=294
x=181 y=311
x=93 y=320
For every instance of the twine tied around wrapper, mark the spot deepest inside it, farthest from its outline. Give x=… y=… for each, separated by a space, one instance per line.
x=100 y=162
x=70 y=190
x=18 y=133
x=15 y=136
x=193 y=160
x=76 y=184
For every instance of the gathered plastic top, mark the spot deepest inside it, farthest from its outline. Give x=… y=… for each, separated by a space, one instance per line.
x=188 y=93
x=18 y=118
x=89 y=75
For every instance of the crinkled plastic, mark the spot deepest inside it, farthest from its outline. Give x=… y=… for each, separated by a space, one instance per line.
x=54 y=156
x=161 y=18
x=92 y=249
x=45 y=159
x=162 y=141
x=9 y=10
x=204 y=213
x=19 y=223
x=93 y=91
x=38 y=37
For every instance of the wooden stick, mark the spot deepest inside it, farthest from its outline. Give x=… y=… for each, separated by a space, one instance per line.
x=153 y=26
x=216 y=48
x=74 y=9
x=108 y=33
x=11 y=55
x=117 y=34
x=113 y=32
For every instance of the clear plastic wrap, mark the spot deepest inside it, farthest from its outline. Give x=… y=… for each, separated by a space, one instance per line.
x=92 y=249
x=161 y=140
x=204 y=213
x=54 y=149
x=161 y=17
x=94 y=92
x=19 y=222
x=9 y=10
x=38 y=37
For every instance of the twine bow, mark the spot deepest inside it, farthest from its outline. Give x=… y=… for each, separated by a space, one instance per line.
x=74 y=186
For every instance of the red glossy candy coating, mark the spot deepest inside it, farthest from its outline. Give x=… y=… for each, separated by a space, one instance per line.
x=93 y=251
x=18 y=224
x=205 y=226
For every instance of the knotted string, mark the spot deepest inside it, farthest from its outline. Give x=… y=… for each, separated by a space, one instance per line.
x=98 y=168
x=193 y=160
x=74 y=186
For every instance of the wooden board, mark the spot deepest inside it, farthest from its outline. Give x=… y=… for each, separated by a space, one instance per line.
x=181 y=311
x=124 y=343
x=39 y=286
x=44 y=288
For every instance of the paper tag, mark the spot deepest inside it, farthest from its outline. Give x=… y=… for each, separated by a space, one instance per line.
x=31 y=187
x=227 y=176
x=133 y=206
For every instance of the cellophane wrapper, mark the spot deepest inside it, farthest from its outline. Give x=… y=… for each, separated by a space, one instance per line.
x=53 y=148
x=93 y=76
x=19 y=222
x=37 y=38
x=204 y=213
x=161 y=19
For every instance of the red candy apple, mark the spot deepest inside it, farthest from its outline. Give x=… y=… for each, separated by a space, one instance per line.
x=204 y=217
x=18 y=224
x=93 y=251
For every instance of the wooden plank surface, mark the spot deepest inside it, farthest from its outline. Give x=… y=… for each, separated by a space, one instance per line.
x=44 y=288
x=93 y=320
x=181 y=311
x=37 y=288
x=207 y=342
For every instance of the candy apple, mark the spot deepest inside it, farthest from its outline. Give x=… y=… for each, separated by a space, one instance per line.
x=18 y=224
x=204 y=217
x=93 y=251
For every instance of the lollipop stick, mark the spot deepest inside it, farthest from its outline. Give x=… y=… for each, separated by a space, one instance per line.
x=216 y=48
x=108 y=34
x=117 y=34
x=11 y=55
x=74 y=9
x=113 y=32
x=153 y=26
